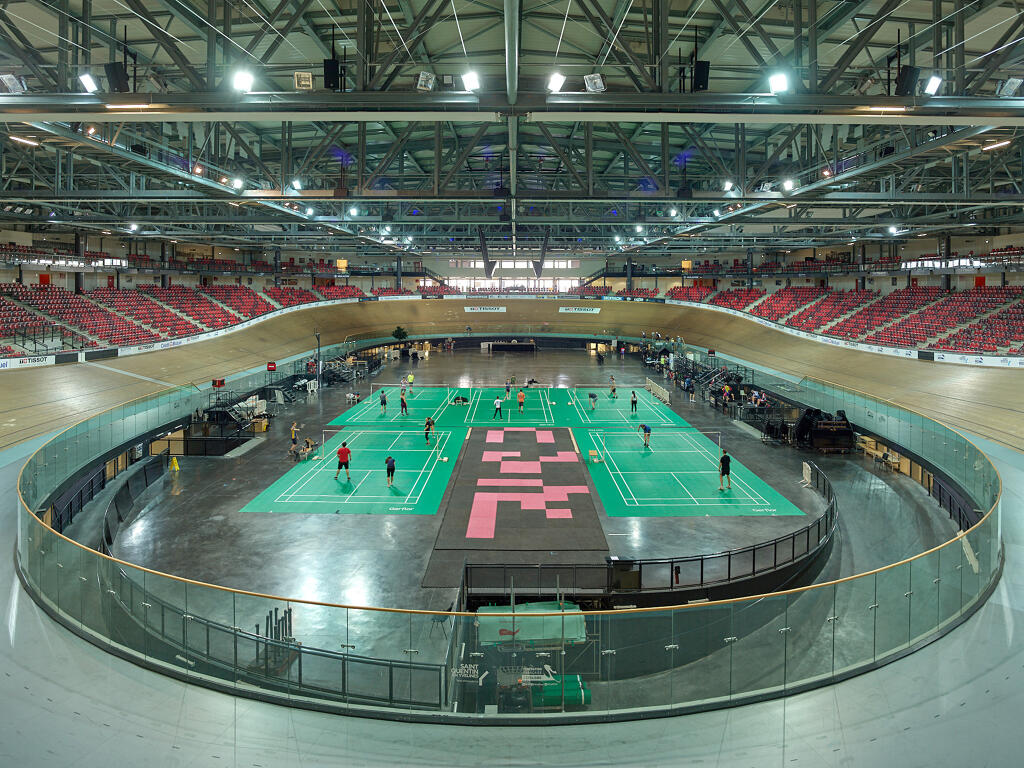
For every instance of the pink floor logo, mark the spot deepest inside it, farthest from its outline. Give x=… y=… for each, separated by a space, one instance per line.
x=484 y=514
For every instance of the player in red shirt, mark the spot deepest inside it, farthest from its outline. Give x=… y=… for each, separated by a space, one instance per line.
x=344 y=454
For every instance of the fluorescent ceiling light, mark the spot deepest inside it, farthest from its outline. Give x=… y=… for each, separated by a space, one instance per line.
x=986 y=148
x=88 y=82
x=236 y=205
x=471 y=81
x=933 y=85
x=23 y=140
x=242 y=81
x=1009 y=88
x=727 y=186
x=556 y=81
x=788 y=185
x=778 y=83
x=296 y=184
x=887 y=109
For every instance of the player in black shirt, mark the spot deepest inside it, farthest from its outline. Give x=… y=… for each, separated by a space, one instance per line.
x=723 y=470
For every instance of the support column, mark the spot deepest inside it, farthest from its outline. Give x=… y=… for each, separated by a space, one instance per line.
x=80 y=247
x=164 y=282
x=629 y=273
x=398 y=271
x=277 y=267
x=812 y=46
x=211 y=45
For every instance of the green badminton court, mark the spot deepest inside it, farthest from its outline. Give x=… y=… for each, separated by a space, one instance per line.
x=422 y=472
x=675 y=476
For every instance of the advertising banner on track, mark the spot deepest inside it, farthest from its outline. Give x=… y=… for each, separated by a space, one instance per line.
x=579 y=310
x=484 y=309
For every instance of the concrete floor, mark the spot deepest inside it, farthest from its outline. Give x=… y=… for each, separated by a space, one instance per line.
x=191 y=525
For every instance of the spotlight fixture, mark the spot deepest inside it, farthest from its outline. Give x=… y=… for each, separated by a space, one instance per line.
x=778 y=83
x=198 y=170
x=788 y=185
x=296 y=184
x=12 y=83
x=1009 y=87
x=826 y=172
x=237 y=183
x=242 y=81
x=88 y=82
x=594 y=83
x=893 y=230
x=223 y=179
x=471 y=81
x=426 y=81
x=555 y=82
x=353 y=211
x=639 y=229
x=673 y=212
x=618 y=239
x=727 y=185
x=133 y=227
x=933 y=85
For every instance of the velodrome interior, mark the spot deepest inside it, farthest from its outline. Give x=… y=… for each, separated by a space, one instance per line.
x=823 y=198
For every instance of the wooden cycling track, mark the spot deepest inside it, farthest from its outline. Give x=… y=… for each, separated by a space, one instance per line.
x=981 y=400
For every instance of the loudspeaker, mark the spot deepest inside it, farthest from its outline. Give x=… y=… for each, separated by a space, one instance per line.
x=332 y=80
x=117 y=77
x=906 y=80
x=701 y=72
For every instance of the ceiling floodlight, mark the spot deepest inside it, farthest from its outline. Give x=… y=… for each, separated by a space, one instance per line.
x=893 y=230
x=132 y=227
x=471 y=81
x=933 y=85
x=555 y=82
x=426 y=81
x=618 y=239
x=198 y=170
x=788 y=185
x=296 y=184
x=1009 y=87
x=223 y=179
x=242 y=81
x=237 y=183
x=88 y=82
x=594 y=83
x=639 y=229
x=673 y=212
x=309 y=211
x=353 y=211
x=778 y=83
x=727 y=185
x=717 y=213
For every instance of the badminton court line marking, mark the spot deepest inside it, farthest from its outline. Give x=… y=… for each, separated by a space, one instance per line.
x=291 y=496
x=438 y=452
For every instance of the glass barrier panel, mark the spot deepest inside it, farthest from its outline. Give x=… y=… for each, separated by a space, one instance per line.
x=892 y=619
x=810 y=642
x=703 y=660
x=854 y=630
x=924 y=598
x=762 y=629
x=73 y=583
